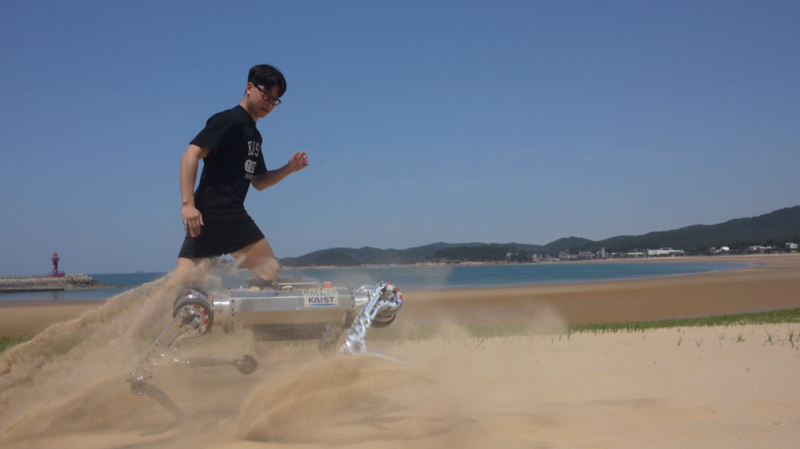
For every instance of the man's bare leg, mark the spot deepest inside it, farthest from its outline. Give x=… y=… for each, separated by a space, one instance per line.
x=259 y=259
x=152 y=308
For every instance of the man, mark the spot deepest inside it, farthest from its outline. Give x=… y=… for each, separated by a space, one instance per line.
x=214 y=217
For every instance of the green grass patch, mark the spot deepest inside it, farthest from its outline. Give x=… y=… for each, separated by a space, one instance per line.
x=49 y=348
x=8 y=342
x=738 y=319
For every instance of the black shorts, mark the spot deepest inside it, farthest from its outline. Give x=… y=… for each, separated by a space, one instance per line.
x=220 y=237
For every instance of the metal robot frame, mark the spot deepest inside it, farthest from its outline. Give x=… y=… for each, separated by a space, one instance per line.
x=292 y=310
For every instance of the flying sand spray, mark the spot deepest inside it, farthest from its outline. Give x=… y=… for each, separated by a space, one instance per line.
x=293 y=310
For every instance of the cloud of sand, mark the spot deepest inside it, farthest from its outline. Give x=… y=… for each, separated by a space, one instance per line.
x=74 y=357
x=359 y=399
x=68 y=381
x=96 y=327
x=545 y=319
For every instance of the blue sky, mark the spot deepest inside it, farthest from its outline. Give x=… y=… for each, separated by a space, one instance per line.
x=424 y=121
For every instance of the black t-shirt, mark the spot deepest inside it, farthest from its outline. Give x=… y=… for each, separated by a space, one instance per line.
x=234 y=158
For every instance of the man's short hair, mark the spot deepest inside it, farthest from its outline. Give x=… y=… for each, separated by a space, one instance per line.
x=267 y=76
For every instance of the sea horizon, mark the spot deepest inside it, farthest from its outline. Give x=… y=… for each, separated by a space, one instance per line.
x=409 y=277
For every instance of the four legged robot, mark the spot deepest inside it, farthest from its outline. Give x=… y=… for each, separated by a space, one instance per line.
x=292 y=310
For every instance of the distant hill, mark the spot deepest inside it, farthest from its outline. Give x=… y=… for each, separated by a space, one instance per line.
x=368 y=256
x=566 y=242
x=481 y=253
x=772 y=229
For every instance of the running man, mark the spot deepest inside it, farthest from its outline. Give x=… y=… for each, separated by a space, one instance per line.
x=214 y=217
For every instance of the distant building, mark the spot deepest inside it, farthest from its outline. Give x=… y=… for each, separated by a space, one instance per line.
x=791 y=246
x=563 y=255
x=634 y=254
x=602 y=253
x=585 y=255
x=664 y=252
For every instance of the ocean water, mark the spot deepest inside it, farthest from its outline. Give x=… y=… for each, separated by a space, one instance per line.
x=415 y=278
x=499 y=275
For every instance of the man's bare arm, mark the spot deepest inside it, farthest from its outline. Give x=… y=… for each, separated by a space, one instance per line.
x=192 y=218
x=297 y=162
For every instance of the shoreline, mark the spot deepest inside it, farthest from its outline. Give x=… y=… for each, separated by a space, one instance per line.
x=12 y=302
x=774 y=284
x=655 y=259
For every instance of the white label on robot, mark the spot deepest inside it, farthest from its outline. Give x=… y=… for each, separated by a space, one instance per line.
x=321 y=298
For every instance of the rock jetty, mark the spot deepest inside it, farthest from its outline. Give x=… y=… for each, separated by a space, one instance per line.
x=26 y=284
x=84 y=282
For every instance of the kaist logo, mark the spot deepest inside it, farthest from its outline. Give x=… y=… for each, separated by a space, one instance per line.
x=321 y=298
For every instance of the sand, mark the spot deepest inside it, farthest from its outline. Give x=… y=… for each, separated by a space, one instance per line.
x=731 y=387
x=26 y=319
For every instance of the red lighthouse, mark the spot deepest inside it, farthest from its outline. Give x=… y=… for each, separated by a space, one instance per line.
x=55 y=272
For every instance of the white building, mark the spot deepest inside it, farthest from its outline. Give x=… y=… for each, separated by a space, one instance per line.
x=664 y=252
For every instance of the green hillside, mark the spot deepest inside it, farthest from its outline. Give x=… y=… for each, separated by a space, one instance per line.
x=368 y=255
x=772 y=229
x=567 y=242
x=480 y=253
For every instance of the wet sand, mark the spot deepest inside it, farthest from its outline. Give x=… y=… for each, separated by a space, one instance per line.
x=30 y=319
x=731 y=387
x=772 y=285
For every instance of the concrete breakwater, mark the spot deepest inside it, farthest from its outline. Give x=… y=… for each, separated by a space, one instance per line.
x=26 y=284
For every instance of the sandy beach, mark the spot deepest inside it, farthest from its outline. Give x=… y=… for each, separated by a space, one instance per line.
x=726 y=387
